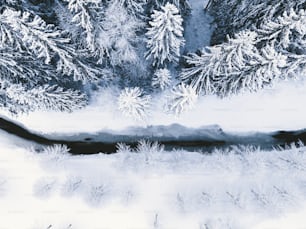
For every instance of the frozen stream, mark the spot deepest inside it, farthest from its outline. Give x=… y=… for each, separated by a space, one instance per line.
x=174 y=137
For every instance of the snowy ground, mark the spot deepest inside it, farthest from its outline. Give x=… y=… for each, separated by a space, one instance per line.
x=277 y=108
x=151 y=188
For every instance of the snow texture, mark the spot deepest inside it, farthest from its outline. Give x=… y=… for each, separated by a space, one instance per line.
x=151 y=188
x=267 y=110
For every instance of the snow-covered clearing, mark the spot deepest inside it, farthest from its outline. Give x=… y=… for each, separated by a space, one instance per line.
x=276 y=108
x=151 y=188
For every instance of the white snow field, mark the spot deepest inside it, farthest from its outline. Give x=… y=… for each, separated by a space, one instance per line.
x=151 y=188
x=276 y=108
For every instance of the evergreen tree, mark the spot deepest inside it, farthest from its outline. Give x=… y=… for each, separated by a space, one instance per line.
x=39 y=61
x=287 y=35
x=30 y=32
x=182 y=5
x=110 y=32
x=183 y=97
x=232 y=16
x=234 y=66
x=35 y=61
x=134 y=7
x=161 y=78
x=132 y=102
x=165 y=35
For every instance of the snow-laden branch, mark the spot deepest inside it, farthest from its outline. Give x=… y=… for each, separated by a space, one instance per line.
x=44 y=41
x=19 y=99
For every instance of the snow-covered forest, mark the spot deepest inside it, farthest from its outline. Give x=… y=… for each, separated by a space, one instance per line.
x=56 y=54
x=193 y=110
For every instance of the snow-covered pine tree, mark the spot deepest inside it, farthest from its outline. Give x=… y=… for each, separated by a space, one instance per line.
x=287 y=34
x=283 y=29
x=109 y=30
x=182 y=5
x=119 y=33
x=161 y=78
x=31 y=33
x=132 y=102
x=232 y=16
x=234 y=66
x=183 y=97
x=20 y=99
x=134 y=7
x=35 y=61
x=165 y=35
x=251 y=60
x=87 y=15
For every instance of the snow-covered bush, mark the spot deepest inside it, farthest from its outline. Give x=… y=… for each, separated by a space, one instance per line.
x=56 y=149
x=132 y=102
x=183 y=97
x=161 y=78
x=165 y=35
x=123 y=148
x=145 y=146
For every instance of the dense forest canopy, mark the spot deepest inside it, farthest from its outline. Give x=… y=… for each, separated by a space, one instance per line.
x=54 y=53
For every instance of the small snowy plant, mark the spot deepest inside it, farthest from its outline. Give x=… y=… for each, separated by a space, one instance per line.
x=123 y=148
x=165 y=35
x=145 y=146
x=132 y=102
x=183 y=97
x=161 y=78
x=56 y=149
